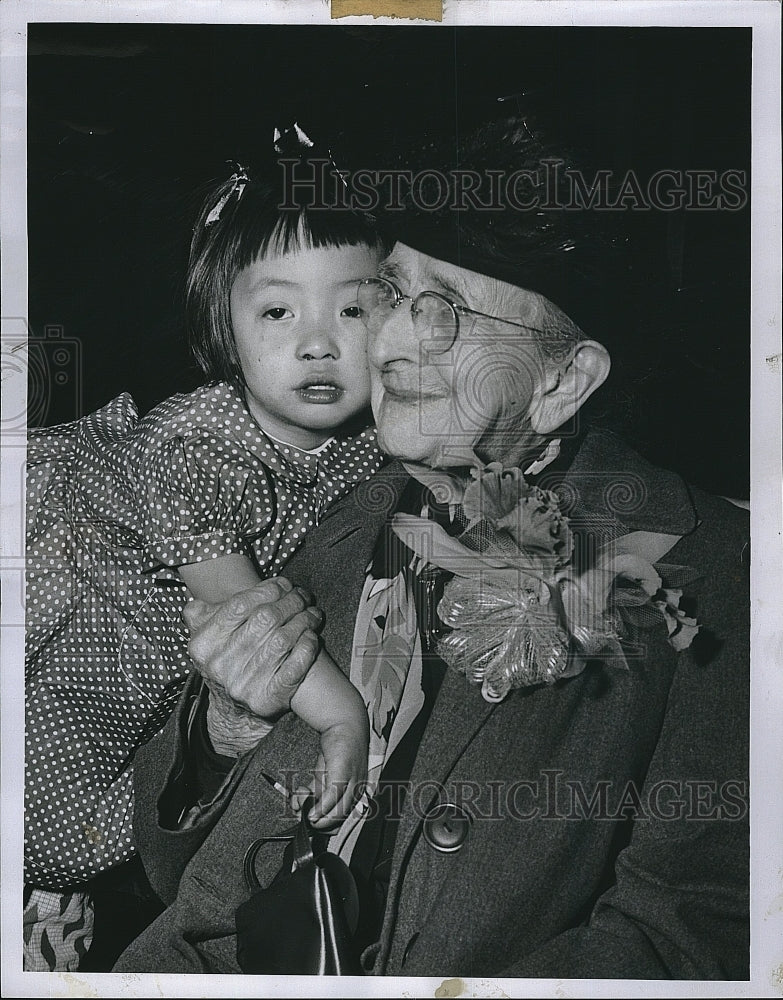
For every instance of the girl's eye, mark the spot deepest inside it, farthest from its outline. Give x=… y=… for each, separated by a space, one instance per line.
x=352 y=312
x=277 y=312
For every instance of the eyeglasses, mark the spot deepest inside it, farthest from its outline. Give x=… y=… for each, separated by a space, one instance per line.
x=432 y=312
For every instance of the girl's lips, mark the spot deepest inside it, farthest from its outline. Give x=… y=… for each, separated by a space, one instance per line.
x=320 y=392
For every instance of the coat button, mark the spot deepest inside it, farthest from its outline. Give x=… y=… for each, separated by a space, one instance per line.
x=446 y=827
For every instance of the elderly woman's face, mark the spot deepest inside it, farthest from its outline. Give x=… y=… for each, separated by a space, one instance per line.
x=435 y=407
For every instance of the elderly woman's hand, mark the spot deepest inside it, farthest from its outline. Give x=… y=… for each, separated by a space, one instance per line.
x=253 y=651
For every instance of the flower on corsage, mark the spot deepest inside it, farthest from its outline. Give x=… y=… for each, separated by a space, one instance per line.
x=519 y=612
x=523 y=517
x=682 y=629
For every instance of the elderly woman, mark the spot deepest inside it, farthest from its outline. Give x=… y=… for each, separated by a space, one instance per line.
x=558 y=755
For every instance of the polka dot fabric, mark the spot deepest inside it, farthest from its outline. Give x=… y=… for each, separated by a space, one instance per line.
x=114 y=505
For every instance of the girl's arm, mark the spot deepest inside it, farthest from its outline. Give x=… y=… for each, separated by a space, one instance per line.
x=326 y=700
x=232 y=730
x=216 y=580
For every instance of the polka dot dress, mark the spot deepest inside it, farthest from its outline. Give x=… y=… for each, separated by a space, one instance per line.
x=114 y=505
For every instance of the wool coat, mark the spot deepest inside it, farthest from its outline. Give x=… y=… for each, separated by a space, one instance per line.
x=607 y=814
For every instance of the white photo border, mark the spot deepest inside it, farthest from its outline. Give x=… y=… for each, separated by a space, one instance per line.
x=764 y=17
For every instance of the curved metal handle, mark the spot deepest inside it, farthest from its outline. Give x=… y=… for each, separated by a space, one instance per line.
x=249 y=862
x=302 y=835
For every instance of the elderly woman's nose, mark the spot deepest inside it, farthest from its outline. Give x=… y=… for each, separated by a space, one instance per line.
x=394 y=338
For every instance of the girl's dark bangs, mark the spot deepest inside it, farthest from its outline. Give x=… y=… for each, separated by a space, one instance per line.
x=305 y=228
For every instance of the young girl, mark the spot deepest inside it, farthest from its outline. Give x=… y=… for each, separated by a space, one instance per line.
x=210 y=492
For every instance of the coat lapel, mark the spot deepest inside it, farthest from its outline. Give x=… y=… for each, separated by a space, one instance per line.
x=613 y=488
x=457 y=716
x=612 y=485
x=333 y=561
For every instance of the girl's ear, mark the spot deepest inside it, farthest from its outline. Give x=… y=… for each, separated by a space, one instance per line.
x=566 y=387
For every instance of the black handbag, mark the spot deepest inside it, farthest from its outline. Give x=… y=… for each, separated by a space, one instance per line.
x=304 y=921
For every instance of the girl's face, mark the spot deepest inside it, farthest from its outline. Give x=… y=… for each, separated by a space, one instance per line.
x=301 y=343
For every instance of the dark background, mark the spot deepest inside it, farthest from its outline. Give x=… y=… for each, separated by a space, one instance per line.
x=129 y=123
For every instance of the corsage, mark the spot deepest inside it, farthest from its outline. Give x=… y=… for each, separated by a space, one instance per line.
x=520 y=612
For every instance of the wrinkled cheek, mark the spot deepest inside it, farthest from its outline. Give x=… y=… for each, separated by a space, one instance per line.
x=514 y=394
x=499 y=383
x=394 y=422
x=477 y=394
x=399 y=434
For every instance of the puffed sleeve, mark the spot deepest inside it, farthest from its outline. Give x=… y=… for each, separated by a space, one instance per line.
x=202 y=498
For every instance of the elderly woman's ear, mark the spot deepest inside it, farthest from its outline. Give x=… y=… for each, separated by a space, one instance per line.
x=566 y=386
